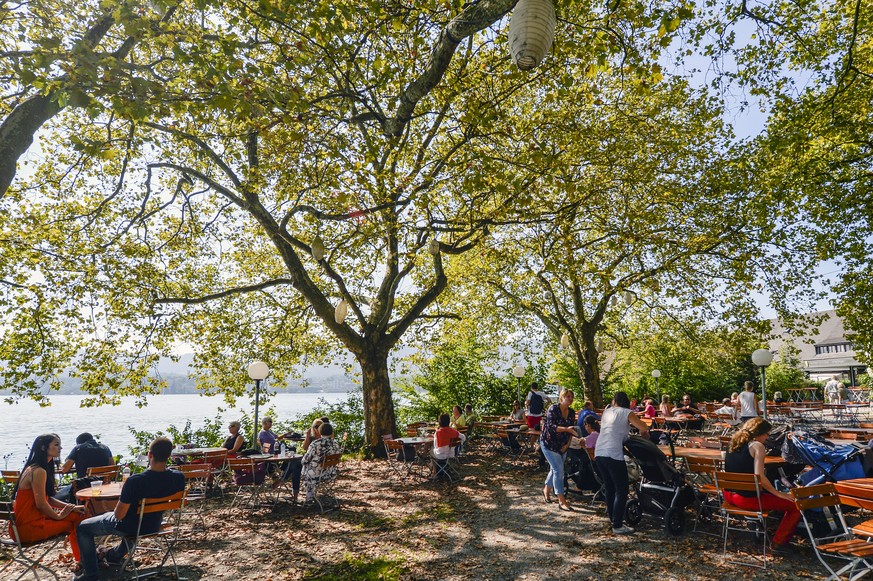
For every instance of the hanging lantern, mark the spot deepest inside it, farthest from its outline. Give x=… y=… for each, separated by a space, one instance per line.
x=531 y=32
x=318 y=249
x=434 y=247
x=341 y=312
x=613 y=301
x=565 y=341
x=628 y=298
x=599 y=345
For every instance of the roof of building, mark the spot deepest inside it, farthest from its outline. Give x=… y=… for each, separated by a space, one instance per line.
x=809 y=331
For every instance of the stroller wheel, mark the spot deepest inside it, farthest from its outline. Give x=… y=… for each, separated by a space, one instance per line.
x=674 y=521
x=633 y=513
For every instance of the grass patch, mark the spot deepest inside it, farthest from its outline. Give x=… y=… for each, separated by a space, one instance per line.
x=437 y=513
x=370 y=520
x=362 y=569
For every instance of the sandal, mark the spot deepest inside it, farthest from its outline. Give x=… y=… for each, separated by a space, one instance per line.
x=546 y=496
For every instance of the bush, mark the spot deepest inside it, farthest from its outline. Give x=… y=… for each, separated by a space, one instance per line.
x=456 y=375
x=347 y=416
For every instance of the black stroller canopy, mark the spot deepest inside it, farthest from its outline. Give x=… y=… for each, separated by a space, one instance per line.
x=653 y=462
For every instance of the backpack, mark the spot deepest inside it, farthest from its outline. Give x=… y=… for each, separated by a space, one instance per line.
x=536 y=404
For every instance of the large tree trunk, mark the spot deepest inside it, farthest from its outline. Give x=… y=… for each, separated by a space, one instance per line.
x=378 y=407
x=589 y=369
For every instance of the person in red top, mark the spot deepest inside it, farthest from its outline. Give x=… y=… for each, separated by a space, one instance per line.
x=649 y=411
x=442 y=439
x=38 y=515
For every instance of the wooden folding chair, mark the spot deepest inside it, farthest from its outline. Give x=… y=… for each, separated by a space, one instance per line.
x=445 y=467
x=167 y=535
x=600 y=494
x=217 y=462
x=242 y=468
x=838 y=543
x=861 y=496
x=323 y=488
x=107 y=473
x=10 y=476
x=196 y=494
x=396 y=455
x=30 y=555
x=742 y=482
x=701 y=473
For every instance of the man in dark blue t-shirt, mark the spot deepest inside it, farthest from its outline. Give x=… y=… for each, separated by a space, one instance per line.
x=587 y=410
x=87 y=453
x=156 y=482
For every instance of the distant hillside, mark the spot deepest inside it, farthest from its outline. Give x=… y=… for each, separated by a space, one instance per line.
x=327 y=378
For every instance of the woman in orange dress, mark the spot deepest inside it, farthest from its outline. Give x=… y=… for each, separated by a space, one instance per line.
x=38 y=516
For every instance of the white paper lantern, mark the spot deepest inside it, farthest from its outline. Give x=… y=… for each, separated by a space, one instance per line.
x=434 y=247
x=341 y=312
x=531 y=32
x=628 y=298
x=318 y=249
x=599 y=346
x=565 y=341
x=613 y=301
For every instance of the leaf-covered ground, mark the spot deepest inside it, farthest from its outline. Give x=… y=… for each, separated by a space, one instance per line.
x=492 y=525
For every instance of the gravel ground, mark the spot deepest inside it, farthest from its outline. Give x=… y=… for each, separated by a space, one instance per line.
x=492 y=525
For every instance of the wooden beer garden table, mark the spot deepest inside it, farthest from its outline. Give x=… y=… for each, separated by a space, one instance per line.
x=712 y=454
x=100 y=498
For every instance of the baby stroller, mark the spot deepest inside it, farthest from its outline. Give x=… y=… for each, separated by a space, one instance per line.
x=661 y=489
x=580 y=469
x=830 y=463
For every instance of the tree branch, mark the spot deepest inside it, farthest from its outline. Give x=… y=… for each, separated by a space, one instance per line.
x=222 y=294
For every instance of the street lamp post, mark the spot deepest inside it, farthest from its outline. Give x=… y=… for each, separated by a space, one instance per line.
x=518 y=372
x=762 y=358
x=259 y=372
x=656 y=373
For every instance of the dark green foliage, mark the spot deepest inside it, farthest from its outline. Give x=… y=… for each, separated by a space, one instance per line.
x=707 y=363
x=459 y=373
x=345 y=416
x=211 y=433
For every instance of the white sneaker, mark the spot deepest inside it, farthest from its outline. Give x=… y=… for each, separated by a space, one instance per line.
x=624 y=530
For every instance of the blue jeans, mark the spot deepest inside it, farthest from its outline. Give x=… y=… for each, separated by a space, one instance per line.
x=555 y=477
x=93 y=527
x=615 y=487
x=65 y=494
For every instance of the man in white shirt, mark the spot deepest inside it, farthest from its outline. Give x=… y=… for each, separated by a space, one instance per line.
x=727 y=409
x=832 y=390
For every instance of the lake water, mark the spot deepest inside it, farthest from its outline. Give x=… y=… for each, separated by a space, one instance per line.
x=23 y=421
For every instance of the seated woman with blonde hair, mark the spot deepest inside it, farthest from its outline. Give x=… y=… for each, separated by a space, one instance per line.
x=665 y=409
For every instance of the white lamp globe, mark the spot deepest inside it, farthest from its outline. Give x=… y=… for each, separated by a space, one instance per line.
x=656 y=373
x=258 y=371
x=762 y=357
x=518 y=371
